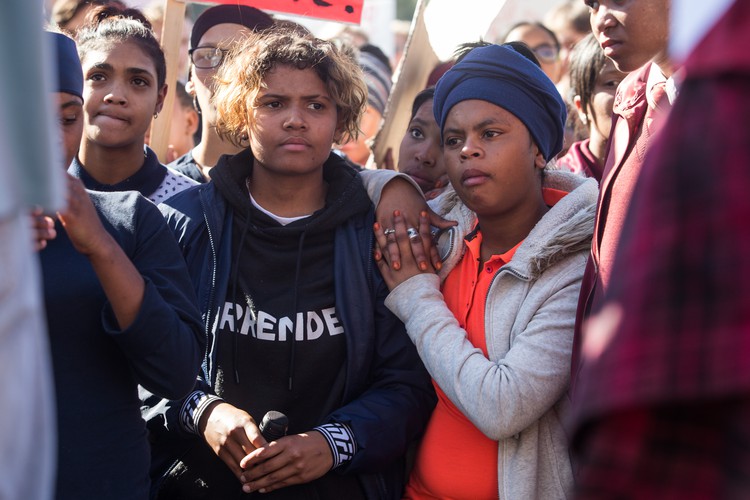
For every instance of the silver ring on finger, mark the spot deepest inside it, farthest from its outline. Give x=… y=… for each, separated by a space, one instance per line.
x=388 y=232
x=413 y=233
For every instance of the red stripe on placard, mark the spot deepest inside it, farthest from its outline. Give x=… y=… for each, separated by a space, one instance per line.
x=348 y=11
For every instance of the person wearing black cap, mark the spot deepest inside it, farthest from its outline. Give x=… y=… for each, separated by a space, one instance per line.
x=495 y=327
x=215 y=31
x=120 y=311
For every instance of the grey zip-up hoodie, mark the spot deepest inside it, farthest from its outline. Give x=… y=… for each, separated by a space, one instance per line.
x=519 y=395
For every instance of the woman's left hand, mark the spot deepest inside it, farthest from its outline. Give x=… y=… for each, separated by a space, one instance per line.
x=409 y=242
x=293 y=459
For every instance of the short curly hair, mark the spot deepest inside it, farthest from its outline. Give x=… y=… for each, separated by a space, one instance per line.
x=242 y=75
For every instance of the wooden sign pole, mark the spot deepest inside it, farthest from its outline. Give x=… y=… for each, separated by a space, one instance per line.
x=411 y=76
x=171 y=34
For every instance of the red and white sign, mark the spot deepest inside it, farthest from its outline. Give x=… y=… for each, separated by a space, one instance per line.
x=346 y=11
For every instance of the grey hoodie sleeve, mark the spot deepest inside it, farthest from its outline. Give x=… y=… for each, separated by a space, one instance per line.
x=375 y=180
x=501 y=395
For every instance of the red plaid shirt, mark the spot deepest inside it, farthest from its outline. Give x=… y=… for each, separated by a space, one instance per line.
x=663 y=399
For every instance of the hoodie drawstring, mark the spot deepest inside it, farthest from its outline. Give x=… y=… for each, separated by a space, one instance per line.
x=248 y=299
x=294 y=304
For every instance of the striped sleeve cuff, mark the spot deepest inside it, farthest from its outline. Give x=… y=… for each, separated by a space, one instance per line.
x=341 y=440
x=192 y=409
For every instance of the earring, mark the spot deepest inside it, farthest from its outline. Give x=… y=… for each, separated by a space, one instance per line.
x=156 y=115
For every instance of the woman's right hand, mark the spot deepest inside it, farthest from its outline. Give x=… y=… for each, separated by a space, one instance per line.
x=82 y=222
x=231 y=433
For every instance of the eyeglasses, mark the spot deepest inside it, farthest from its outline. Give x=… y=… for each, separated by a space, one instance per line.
x=546 y=52
x=207 y=57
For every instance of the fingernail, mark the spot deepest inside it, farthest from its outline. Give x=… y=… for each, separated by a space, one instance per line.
x=423 y=266
x=439 y=266
x=378 y=256
x=396 y=213
x=376 y=226
x=423 y=213
x=396 y=266
x=262 y=490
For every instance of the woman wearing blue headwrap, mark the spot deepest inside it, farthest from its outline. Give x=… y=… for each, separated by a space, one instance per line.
x=495 y=326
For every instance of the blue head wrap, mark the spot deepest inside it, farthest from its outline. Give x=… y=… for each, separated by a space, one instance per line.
x=501 y=76
x=69 y=73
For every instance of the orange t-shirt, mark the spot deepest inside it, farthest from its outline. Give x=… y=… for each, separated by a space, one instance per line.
x=455 y=460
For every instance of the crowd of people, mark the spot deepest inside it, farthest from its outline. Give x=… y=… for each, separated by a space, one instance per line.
x=543 y=298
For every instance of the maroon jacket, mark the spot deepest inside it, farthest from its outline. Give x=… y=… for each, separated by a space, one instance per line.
x=628 y=141
x=663 y=410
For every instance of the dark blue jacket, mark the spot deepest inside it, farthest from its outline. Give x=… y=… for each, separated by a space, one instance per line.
x=388 y=396
x=103 y=451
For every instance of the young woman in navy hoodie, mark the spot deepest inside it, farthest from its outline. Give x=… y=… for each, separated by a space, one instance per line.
x=279 y=246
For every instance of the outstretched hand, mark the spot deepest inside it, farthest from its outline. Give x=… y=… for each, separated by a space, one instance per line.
x=405 y=244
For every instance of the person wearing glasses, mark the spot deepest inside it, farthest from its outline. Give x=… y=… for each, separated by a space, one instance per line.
x=543 y=42
x=214 y=33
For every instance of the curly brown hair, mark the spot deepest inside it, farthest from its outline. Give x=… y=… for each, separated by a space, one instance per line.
x=242 y=76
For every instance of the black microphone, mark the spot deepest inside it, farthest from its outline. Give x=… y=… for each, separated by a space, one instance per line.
x=274 y=425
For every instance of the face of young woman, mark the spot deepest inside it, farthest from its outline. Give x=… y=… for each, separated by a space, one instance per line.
x=120 y=95
x=293 y=123
x=70 y=118
x=491 y=160
x=631 y=32
x=420 y=156
x=602 y=99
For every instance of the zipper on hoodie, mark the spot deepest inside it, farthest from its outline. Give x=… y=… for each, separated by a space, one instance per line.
x=505 y=269
x=502 y=270
x=211 y=293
